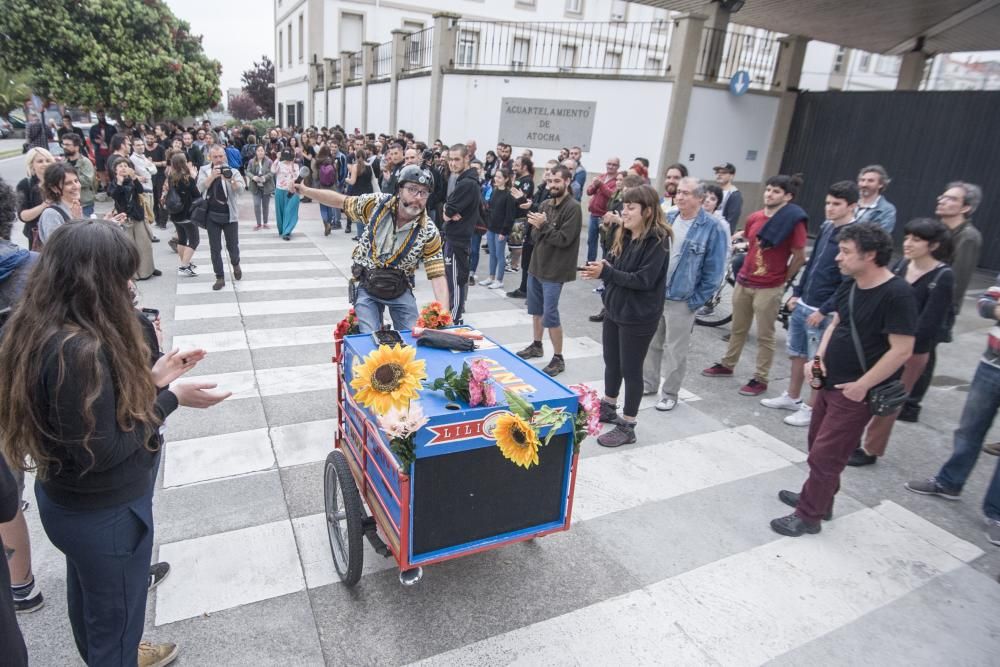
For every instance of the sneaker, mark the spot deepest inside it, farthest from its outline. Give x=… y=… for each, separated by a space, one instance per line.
x=532 y=351
x=666 y=404
x=791 y=499
x=793 y=526
x=173 y=245
x=517 y=294
x=648 y=391
x=186 y=271
x=237 y=272
x=28 y=598
x=753 y=388
x=512 y=269
x=156 y=655
x=157 y=573
x=472 y=279
x=705 y=311
x=555 y=366
x=726 y=337
x=599 y=317
x=930 y=487
x=801 y=417
x=718 y=370
x=993 y=531
x=485 y=283
x=859 y=457
x=783 y=402
x=155 y=239
x=621 y=434
x=608 y=413
x=327 y=228
x=496 y=284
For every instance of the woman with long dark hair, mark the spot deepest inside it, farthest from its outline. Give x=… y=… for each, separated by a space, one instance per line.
x=81 y=405
x=61 y=189
x=635 y=277
x=185 y=191
x=126 y=190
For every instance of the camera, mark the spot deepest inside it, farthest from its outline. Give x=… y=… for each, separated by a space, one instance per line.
x=226 y=172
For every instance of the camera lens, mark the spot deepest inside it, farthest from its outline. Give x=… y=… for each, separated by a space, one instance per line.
x=227 y=172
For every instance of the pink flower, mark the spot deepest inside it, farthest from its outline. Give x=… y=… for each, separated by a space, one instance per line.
x=475 y=394
x=480 y=370
x=489 y=394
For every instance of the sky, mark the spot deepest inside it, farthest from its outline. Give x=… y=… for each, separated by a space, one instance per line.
x=233 y=32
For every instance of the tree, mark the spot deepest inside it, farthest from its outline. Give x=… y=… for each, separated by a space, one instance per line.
x=133 y=56
x=14 y=90
x=258 y=83
x=243 y=107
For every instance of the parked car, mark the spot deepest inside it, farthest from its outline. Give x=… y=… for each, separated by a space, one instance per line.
x=17 y=119
x=6 y=129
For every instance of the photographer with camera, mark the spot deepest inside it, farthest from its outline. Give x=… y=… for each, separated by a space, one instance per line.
x=220 y=185
x=126 y=190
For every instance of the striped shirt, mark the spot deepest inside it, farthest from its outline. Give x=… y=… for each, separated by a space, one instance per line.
x=378 y=210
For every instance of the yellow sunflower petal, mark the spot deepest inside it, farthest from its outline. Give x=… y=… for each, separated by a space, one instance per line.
x=390 y=377
x=517 y=441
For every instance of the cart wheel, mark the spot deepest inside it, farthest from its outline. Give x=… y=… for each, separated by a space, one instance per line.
x=344 y=517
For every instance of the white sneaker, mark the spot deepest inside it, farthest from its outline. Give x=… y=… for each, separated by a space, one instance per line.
x=487 y=282
x=800 y=417
x=496 y=284
x=783 y=402
x=666 y=404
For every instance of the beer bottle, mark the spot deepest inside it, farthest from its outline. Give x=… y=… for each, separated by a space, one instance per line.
x=816 y=382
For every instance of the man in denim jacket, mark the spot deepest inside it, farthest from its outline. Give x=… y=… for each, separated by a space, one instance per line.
x=697 y=267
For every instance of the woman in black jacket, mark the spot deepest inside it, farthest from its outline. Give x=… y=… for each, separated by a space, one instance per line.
x=503 y=210
x=30 y=200
x=80 y=404
x=126 y=190
x=183 y=191
x=635 y=278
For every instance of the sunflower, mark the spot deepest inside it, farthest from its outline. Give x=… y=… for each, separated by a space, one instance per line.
x=390 y=377
x=517 y=441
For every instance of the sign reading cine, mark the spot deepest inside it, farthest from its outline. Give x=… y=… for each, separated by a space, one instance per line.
x=546 y=123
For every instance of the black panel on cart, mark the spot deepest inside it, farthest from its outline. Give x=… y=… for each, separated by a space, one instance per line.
x=475 y=494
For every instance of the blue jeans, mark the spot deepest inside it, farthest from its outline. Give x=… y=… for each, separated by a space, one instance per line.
x=498 y=255
x=803 y=340
x=593 y=237
x=369 y=309
x=330 y=215
x=977 y=417
x=474 y=247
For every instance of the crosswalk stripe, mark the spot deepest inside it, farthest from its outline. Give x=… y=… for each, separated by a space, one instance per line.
x=574 y=347
x=272 y=381
x=280 y=252
x=335 y=305
x=257 y=339
x=745 y=609
x=252 y=268
x=305 y=442
x=282 y=285
x=273 y=240
x=647 y=401
x=217 y=456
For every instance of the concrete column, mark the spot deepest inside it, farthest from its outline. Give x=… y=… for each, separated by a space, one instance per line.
x=681 y=60
x=788 y=73
x=328 y=78
x=398 y=59
x=345 y=73
x=717 y=18
x=911 y=71
x=442 y=50
x=367 y=71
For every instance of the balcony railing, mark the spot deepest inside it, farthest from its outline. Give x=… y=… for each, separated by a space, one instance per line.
x=417 y=50
x=383 y=61
x=635 y=48
x=355 y=66
x=335 y=73
x=723 y=53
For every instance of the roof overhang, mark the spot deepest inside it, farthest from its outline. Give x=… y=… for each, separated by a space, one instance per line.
x=885 y=26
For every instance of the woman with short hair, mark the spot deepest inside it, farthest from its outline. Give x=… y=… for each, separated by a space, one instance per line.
x=30 y=200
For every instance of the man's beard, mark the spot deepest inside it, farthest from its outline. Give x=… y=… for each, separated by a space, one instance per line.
x=671 y=190
x=411 y=209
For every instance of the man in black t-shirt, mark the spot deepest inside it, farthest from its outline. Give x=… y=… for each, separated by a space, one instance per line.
x=885 y=316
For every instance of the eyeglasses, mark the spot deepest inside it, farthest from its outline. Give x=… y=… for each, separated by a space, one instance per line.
x=419 y=193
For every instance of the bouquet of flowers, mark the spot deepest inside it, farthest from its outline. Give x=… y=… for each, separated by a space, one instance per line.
x=472 y=385
x=401 y=425
x=587 y=419
x=434 y=316
x=348 y=325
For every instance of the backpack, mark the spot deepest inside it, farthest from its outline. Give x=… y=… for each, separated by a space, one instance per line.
x=173 y=202
x=327 y=175
x=234 y=157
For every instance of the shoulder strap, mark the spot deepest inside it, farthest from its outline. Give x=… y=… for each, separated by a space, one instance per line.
x=64 y=214
x=937 y=276
x=854 y=331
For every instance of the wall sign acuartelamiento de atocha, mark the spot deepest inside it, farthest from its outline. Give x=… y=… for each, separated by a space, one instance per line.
x=535 y=123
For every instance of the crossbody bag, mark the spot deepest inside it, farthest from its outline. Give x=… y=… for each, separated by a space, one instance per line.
x=885 y=399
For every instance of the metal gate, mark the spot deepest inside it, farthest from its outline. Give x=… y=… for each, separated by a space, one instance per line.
x=923 y=139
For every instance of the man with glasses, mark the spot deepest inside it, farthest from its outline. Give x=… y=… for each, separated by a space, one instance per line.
x=600 y=191
x=397 y=237
x=72 y=144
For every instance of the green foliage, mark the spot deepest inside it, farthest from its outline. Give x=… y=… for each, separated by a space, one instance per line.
x=546 y=417
x=455 y=385
x=133 y=56
x=14 y=90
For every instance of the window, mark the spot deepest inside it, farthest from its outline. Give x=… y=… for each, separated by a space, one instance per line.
x=567 y=58
x=838 y=60
x=414 y=51
x=865 y=63
x=289 y=44
x=302 y=38
x=612 y=60
x=281 y=114
x=468 y=48
x=654 y=65
x=291 y=115
x=618 y=9
x=525 y=3
x=281 y=49
x=519 y=54
x=574 y=6
x=888 y=65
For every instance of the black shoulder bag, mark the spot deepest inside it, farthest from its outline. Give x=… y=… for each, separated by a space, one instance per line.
x=887 y=398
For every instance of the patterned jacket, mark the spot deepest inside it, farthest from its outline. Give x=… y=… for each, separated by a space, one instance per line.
x=380 y=209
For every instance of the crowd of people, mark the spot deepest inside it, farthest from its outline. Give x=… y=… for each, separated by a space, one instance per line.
x=85 y=386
